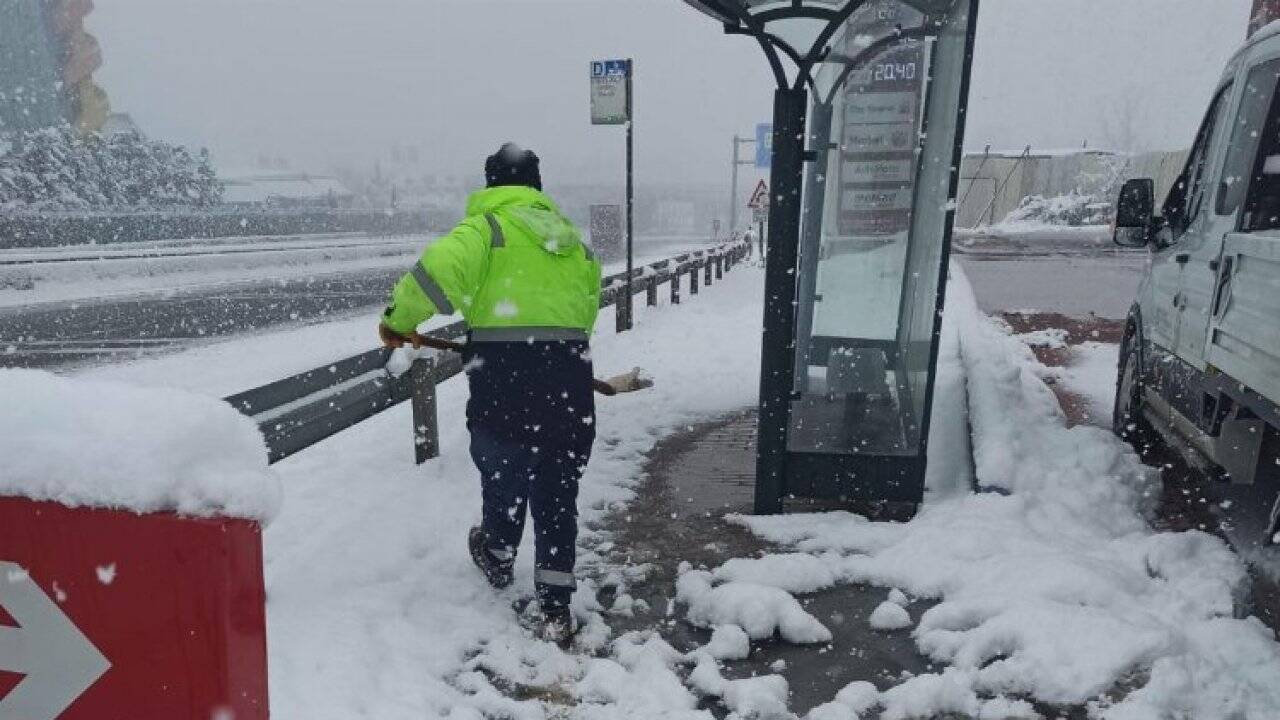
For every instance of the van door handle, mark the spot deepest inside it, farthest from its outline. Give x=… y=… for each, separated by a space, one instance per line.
x=1182 y=258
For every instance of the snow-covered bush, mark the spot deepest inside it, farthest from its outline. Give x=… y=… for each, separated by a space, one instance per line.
x=1074 y=209
x=58 y=169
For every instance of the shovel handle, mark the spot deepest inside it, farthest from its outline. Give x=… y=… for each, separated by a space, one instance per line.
x=599 y=386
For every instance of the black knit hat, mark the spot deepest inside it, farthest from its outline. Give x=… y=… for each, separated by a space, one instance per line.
x=513 y=165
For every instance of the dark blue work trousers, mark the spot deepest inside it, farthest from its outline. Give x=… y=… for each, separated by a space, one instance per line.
x=532 y=422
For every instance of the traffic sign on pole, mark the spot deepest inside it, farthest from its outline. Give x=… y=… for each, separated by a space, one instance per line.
x=612 y=85
x=764 y=146
x=760 y=197
x=108 y=614
x=610 y=92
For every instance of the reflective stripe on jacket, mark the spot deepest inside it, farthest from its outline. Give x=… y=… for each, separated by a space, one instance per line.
x=515 y=267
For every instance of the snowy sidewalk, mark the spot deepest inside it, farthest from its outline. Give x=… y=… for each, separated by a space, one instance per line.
x=1053 y=589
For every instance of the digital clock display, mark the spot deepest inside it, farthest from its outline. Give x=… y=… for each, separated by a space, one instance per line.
x=892 y=71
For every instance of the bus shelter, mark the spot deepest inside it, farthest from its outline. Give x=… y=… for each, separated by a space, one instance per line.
x=867 y=146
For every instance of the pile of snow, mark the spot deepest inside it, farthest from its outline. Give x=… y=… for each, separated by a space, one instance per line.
x=856 y=699
x=1052 y=338
x=728 y=642
x=107 y=445
x=1053 y=587
x=763 y=697
x=793 y=572
x=761 y=610
x=1073 y=210
x=1092 y=376
x=889 y=616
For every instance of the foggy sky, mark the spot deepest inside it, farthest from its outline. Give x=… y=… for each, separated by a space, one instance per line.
x=323 y=82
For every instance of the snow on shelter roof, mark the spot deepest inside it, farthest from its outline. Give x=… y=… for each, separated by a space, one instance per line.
x=105 y=445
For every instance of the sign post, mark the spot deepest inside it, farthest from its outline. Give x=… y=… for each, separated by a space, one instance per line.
x=611 y=104
x=759 y=205
x=762 y=161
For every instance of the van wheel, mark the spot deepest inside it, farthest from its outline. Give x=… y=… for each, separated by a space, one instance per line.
x=1127 y=420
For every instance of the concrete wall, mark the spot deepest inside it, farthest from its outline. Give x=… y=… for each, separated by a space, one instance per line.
x=993 y=184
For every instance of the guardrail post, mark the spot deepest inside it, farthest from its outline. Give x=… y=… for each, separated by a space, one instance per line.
x=708 y=269
x=426 y=428
x=651 y=291
x=693 y=279
x=620 y=311
x=675 y=285
x=719 y=266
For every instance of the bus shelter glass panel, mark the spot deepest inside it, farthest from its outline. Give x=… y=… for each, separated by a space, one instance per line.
x=877 y=232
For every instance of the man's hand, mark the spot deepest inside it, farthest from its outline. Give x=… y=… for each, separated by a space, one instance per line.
x=392 y=339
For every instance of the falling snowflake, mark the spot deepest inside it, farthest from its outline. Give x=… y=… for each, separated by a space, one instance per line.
x=505 y=309
x=106 y=573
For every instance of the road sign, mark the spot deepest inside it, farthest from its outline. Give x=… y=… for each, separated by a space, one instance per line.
x=759 y=198
x=764 y=146
x=108 y=614
x=760 y=214
x=607 y=236
x=610 y=92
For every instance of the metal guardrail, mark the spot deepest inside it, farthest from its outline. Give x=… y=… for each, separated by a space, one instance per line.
x=300 y=411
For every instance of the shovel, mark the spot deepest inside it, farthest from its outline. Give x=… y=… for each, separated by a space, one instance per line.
x=633 y=381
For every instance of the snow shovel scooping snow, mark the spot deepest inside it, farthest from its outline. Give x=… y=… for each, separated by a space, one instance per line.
x=633 y=381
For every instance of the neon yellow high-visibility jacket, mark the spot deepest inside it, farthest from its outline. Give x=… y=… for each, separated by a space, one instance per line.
x=516 y=268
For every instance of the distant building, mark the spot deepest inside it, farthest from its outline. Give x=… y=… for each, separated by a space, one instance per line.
x=47 y=62
x=121 y=125
x=286 y=190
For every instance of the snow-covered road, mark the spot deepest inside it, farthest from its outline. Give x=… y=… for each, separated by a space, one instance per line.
x=1049 y=585
x=62 y=307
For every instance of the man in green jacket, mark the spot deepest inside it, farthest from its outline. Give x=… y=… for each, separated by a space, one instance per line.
x=529 y=288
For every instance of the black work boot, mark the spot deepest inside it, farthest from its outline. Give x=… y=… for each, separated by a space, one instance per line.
x=555 y=624
x=498 y=572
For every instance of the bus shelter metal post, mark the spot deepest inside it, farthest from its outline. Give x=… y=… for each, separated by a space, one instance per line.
x=777 y=369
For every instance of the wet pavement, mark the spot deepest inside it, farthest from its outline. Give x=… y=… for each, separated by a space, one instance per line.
x=1104 y=284
x=693 y=480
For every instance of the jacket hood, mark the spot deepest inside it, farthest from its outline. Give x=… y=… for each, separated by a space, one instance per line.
x=531 y=211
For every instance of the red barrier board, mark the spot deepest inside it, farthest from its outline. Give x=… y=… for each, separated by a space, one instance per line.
x=108 y=615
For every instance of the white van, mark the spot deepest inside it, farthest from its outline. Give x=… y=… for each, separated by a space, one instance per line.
x=1200 y=363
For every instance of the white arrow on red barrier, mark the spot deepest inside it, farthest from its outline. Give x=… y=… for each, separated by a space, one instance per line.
x=57 y=659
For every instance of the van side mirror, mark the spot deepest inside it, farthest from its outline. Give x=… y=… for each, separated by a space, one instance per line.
x=1135 y=213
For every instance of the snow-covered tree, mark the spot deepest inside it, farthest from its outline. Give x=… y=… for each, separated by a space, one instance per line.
x=58 y=169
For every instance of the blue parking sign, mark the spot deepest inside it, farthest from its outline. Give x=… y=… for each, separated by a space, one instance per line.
x=764 y=146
